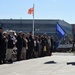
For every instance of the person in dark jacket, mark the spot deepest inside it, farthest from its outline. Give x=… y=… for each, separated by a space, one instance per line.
x=23 y=51
x=10 y=46
x=52 y=45
x=31 y=45
x=2 y=46
x=27 y=46
x=36 y=46
x=44 y=44
x=19 y=46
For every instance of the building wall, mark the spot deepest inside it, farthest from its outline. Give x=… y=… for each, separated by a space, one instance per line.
x=73 y=30
x=41 y=26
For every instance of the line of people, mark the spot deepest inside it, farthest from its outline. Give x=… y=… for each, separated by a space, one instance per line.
x=26 y=46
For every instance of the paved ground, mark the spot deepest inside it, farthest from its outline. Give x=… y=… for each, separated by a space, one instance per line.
x=58 y=64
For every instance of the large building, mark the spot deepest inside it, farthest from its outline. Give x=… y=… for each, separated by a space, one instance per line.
x=41 y=26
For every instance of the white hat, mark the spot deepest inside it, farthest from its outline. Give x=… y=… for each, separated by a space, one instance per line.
x=20 y=32
x=4 y=32
x=11 y=31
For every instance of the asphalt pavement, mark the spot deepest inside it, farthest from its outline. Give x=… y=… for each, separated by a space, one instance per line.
x=57 y=64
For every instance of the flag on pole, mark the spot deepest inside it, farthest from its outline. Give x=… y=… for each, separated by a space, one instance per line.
x=31 y=11
x=60 y=31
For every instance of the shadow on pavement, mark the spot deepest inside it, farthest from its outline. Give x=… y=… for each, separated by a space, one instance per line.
x=50 y=62
x=71 y=63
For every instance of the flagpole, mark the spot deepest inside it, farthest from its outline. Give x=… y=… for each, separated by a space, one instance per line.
x=33 y=21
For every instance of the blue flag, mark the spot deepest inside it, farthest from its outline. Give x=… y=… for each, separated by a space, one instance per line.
x=60 y=31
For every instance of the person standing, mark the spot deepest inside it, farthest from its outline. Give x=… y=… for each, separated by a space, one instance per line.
x=2 y=46
x=52 y=45
x=31 y=45
x=19 y=44
x=27 y=46
x=36 y=46
x=44 y=43
x=10 y=46
x=49 y=45
x=23 y=52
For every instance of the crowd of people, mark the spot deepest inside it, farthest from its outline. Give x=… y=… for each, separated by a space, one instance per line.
x=26 y=46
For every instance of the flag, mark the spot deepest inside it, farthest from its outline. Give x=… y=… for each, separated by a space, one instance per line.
x=60 y=31
x=31 y=11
